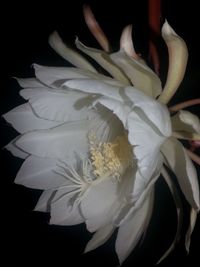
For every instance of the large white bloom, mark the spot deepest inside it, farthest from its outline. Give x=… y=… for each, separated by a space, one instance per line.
x=97 y=144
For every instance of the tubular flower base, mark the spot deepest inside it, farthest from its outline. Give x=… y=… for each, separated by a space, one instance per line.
x=97 y=144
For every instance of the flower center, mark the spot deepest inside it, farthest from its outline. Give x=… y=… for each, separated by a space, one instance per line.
x=110 y=158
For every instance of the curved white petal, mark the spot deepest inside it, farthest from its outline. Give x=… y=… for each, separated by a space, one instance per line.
x=29 y=83
x=179 y=212
x=178 y=56
x=43 y=203
x=185 y=121
x=104 y=60
x=56 y=76
x=99 y=204
x=69 y=54
x=141 y=76
x=24 y=120
x=139 y=192
x=59 y=142
x=119 y=108
x=156 y=112
x=184 y=170
x=32 y=92
x=100 y=237
x=63 y=211
x=130 y=232
x=17 y=152
x=39 y=173
x=146 y=144
x=62 y=107
x=95 y=87
x=126 y=42
x=193 y=218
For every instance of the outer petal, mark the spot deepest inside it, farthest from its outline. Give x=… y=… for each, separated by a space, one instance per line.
x=193 y=218
x=140 y=191
x=59 y=142
x=178 y=56
x=157 y=113
x=62 y=210
x=119 y=108
x=17 y=152
x=100 y=237
x=43 y=203
x=179 y=212
x=61 y=106
x=39 y=173
x=93 y=86
x=141 y=76
x=151 y=112
x=186 y=121
x=69 y=54
x=103 y=59
x=30 y=83
x=99 y=204
x=130 y=232
x=184 y=170
x=146 y=144
x=28 y=93
x=24 y=120
x=55 y=76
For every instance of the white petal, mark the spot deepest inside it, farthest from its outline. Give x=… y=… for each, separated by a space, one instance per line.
x=17 y=152
x=43 y=203
x=59 y=142
x=178 y=56
x=39 y=173
x=140 y=192
x=32 y=92
x=99 y=204
x=100 y=237
x=119 y=108
x=95 y=87
x=103 y=59
x=63 y=107
x=69 y=54
x=63 y=212
x=146 y=144
x=56 y=76
x=156 y=112
x=130 y=232
x=126 y=42
x=186 y=121
x=179 y=211
x=193 y=218
x=23 y=119
x=184 y=170
x=141 y=76
x=30 y=83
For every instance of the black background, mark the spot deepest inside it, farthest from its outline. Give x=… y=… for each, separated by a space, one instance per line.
x=26 y=236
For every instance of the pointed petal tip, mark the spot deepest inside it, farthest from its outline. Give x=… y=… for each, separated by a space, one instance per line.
x=126 y=42
x=167 y=29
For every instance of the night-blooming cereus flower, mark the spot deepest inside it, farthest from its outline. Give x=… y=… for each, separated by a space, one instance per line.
x=96 y=144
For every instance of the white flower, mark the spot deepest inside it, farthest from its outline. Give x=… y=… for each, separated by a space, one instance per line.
x=96 y=145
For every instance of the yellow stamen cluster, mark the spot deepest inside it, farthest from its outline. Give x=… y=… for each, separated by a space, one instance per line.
x=111 y=158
